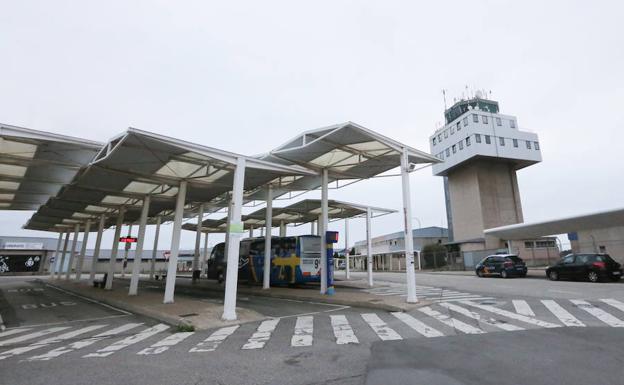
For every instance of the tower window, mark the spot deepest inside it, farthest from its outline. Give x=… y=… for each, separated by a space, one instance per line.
x=515 y=142
x=467 y=141
x=512 y=123
x=454 y=149
x=461 y=145
x=528 y=144
x=478 y=138
x=501 y=140
x=484 y=119
x=458 y=126
x=452 y=130
x=448 y=152
x=434 y=141
x=487 y=139
x=536 y=145
x=439 y=138
x=445 y=134
x=466 y=121
x=475 y=118
x=499 y=122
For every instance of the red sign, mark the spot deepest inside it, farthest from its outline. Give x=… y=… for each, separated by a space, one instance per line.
x=128 y=239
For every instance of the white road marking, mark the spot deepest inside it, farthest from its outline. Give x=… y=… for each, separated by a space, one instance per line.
x=211 y=343
x=133 y=339
x=562 y=314
x=449 y=321
x=417 y=325
x=10 y=332
x=380 y=328
x=523 y=308
x=614 y=302
x=83 y=343
x=262 y=334
x=165 y=344
x=598 y=313
x=488 y=321
x=89 y=299
x=342 y=330
x=508 y=314
x=48 y=341
x=304 y=329
x=30 y=336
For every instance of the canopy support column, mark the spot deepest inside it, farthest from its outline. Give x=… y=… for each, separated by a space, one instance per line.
x=73 y=251
x=115 y=249
x=282 y=229
x=268 y=222
x=231 y=277
x=312 y=228
x=172 y=267
x=56 y=256
x=369 y=247
x=206 y=253
x=323 y=228
x=407 y=231
x=200 y=219
x=127 y=246
x=347 y=268
x=251 y=229
x=138 y=252
x=155 y=249
x=65 y=244
x=96 y=251
x=83 y=250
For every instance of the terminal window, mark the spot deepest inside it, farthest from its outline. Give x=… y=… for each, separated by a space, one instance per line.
x=502 y=141
x=528 y=144
x=458 y=126
x=484 y=119
x=454 y=149
x=512 y=123
x=475 y=118
x=466 y=121
x=478 y=138
x=468 y=141
x=499 y=122
x=487 y=139
x=448 y=152
x=445 y=134
x=515 y=142
x=536 y=145
x=461 y=145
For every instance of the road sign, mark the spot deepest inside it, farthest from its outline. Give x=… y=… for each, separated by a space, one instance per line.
x=128 y=239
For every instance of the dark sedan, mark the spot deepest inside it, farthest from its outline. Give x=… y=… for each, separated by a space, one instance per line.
x=503 y=265
x=593 y=267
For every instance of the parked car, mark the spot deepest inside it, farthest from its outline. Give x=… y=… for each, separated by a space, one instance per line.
x=504 y=265
x=593 y=267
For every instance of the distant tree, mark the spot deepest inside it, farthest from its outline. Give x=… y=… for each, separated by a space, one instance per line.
x=352 y=252
x=434 y=255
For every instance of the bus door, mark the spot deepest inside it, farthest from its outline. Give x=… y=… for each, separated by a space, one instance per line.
x=309 y=251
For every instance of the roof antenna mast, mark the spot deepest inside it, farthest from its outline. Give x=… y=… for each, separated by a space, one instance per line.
x=444 y=96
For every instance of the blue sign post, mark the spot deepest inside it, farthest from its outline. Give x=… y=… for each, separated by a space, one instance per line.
x=331 y=237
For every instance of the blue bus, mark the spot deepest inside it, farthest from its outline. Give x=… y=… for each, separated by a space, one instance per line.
x=294 y=260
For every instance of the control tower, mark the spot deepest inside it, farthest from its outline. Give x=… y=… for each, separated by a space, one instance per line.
x=481 y=151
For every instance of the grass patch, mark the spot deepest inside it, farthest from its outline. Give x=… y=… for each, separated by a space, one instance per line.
x=184 y=327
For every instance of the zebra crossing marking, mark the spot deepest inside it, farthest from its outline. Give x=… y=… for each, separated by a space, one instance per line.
x=562 y=314
x=434 y=294
x=383 y=331
x=83 y=343
x=131 y=340
x=508 y=314
x=488 y=321
x=31 y=336
x=417 y=325
x=598 y=313
x=10 y=332
x=342 y=330
x=304 y=329
x=262 y=334
x=165 y=344
x=48 y=341
x=613 y=302
x=523 y=308
x=211 y=343
x=449 y=321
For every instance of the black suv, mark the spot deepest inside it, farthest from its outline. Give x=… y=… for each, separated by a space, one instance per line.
x=593 y=267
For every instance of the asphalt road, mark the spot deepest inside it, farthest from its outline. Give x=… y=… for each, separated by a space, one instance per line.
x=478 y=332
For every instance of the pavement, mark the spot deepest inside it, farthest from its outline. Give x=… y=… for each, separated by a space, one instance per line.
x=473 y=331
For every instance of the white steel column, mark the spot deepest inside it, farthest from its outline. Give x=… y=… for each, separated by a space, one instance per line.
x=83 y=249
x=172 y=267
x=96 y=251
x=138 y=252
x=73 y=251
x=312 y=228
x=228 y=222
x=347 y=268
x=369 y=247
x=268 y=222
x=200 y=219
x=114 y=250
x=231 y=277
x=56 y=256
x=251 y=229
x=60 y=267
x=319 y=222
x=206 y=253
x=155 y=249
x=282 y=232
x=323 y=228
x=407 y=231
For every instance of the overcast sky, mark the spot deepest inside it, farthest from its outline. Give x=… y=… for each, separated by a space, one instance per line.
x=247 y=76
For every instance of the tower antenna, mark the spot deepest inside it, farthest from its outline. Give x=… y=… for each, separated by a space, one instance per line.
x=444 y=96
